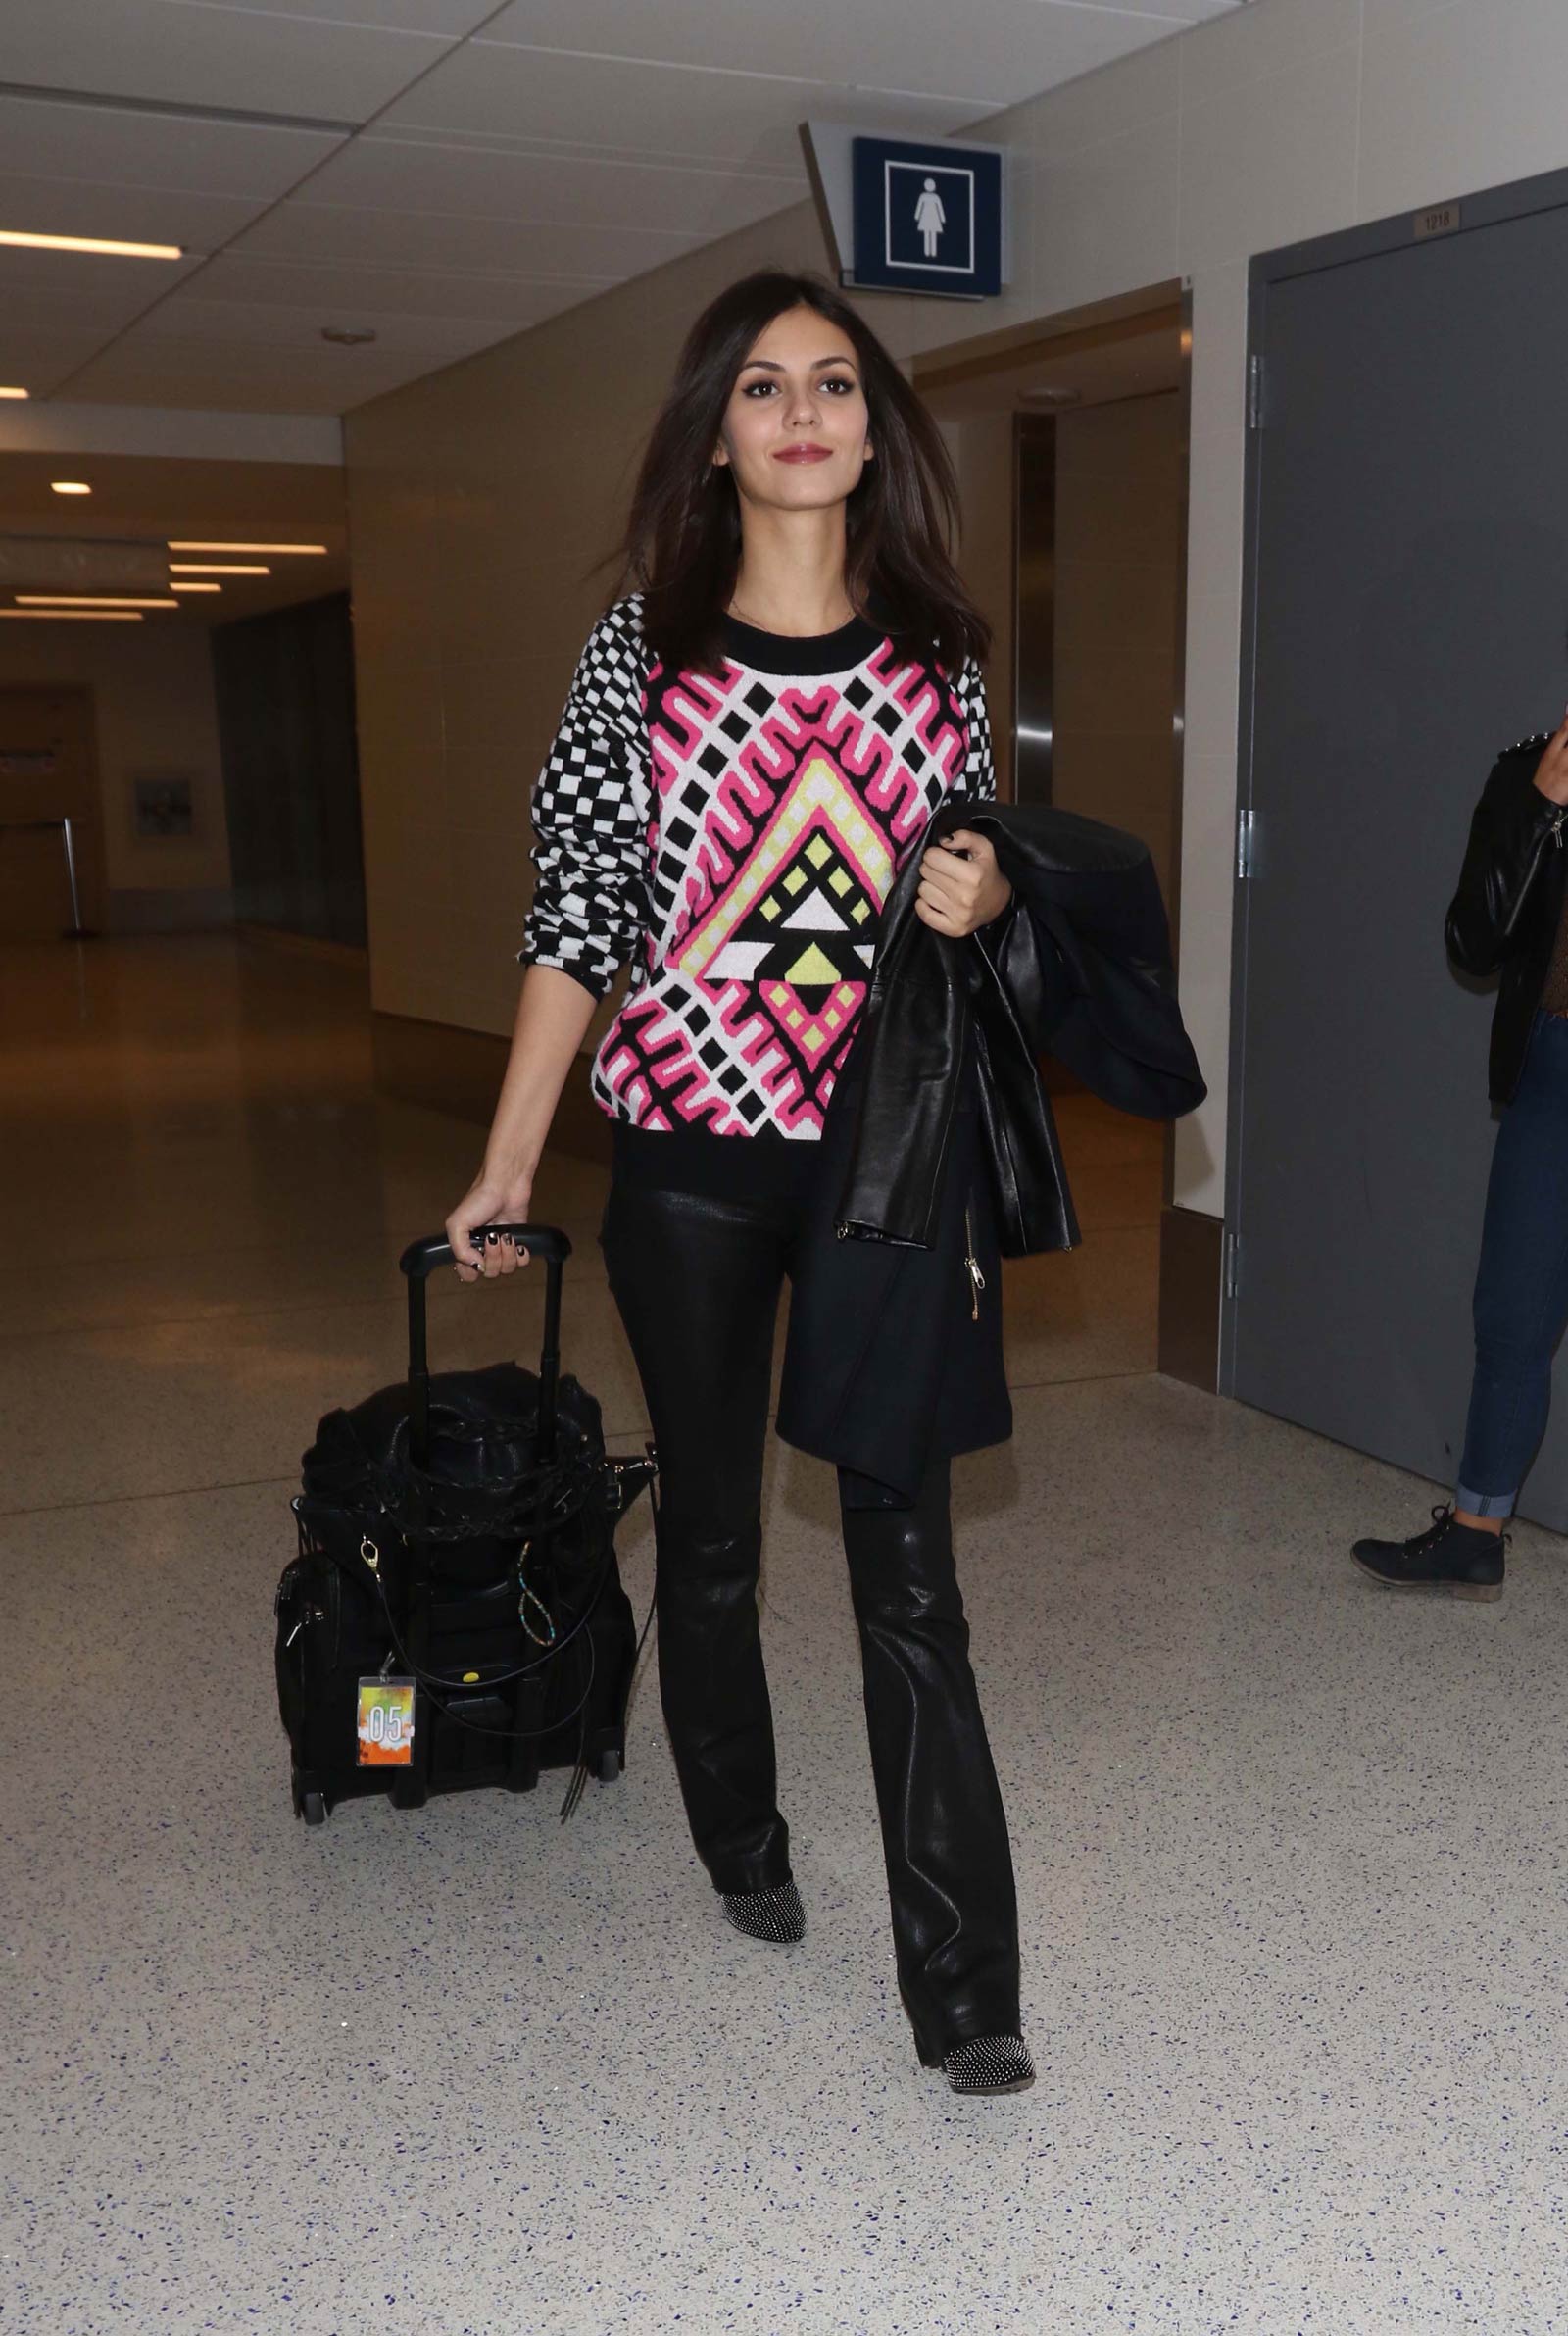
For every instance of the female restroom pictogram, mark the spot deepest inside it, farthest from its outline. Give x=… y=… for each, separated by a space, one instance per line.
x=930 y=218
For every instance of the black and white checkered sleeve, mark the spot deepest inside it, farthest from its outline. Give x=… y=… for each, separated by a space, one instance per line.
x=590 y=813
x=979 y=768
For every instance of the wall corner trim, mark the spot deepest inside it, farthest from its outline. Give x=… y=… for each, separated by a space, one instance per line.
x=1192 y=1254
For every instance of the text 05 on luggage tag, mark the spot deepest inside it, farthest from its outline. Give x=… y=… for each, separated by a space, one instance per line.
x=385 y=1725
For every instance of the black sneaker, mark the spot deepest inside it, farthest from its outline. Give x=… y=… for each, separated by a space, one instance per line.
x=1447 y=1556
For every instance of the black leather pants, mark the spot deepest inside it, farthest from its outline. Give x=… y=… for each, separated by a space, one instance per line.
x=698 y=1281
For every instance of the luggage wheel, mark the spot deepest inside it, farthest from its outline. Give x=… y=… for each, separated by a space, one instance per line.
x=611 y=1763
x=313 y=1809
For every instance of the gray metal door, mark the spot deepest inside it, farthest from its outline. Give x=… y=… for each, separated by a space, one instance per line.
x=1407 y=601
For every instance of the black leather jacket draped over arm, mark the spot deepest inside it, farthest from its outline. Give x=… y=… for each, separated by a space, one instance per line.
x=1078 y=965
x=1505 y=916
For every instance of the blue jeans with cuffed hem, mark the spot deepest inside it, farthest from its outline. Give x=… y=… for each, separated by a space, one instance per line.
x=1521 y=1297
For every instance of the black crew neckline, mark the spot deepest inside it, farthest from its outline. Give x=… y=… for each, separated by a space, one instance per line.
x=806 y=652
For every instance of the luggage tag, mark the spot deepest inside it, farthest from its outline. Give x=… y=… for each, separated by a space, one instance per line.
x=385 y=1725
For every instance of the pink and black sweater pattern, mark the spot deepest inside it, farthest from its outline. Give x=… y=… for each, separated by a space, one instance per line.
x=735 y=839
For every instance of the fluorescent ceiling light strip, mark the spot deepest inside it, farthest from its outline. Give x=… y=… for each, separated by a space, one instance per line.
x=89 y=599
x=76 y=615
x=211 y=568
x=246 y=547
x=69 y=486
x=15 y=393
x=195 y=588
x=104 y=245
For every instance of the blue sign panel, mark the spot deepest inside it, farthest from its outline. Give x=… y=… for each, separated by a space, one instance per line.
x=927 y=219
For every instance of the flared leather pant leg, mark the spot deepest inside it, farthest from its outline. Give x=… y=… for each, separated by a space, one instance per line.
x=943 y=1829
x=696 y=1283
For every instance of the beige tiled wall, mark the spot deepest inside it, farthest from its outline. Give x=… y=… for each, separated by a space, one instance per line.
x=480 y=498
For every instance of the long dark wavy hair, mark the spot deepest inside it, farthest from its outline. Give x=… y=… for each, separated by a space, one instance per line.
x=683 y=538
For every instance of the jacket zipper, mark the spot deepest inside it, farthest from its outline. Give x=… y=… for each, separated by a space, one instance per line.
x=977 y=1280
x=1553 y=830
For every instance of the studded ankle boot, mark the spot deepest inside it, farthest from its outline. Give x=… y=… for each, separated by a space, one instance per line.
x=776 y=1917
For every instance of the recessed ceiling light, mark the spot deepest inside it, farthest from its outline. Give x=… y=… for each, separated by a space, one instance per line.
x=211 y=568
x=1045 y=394
x=195 y=588
x=348 y=336
x=71 y=486
x=91 y=243
x=15 y=393
x=88 y=600
x=246 y=547
x=77 y=616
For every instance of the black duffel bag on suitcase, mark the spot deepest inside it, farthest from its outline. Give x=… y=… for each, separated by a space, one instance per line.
x=454 y=1616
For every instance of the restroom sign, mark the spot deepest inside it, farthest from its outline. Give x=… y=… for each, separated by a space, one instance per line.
x=927 y=218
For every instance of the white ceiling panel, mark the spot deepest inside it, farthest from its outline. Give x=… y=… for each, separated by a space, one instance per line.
x=50 y=336
x=452 y=17
x=648 y=109
x=84 y=323
x=597 y=257
x=58 y=310
x=235 y=327
x=120 y=146
x=422 y=171
x=40 y=357
x=992 y=51
x=33 y=282
x=428 y=242
x=186 y=52
x=113 y=380
x=513 y=160
x=143 y=214
x=399 y=173
x=250 y=380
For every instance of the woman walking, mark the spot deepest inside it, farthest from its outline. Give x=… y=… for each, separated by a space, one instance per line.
x=753 y=745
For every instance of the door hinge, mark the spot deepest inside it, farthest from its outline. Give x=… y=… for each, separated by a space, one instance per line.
x=1246 y=835
x=1233 y=1264
x=1255 y=393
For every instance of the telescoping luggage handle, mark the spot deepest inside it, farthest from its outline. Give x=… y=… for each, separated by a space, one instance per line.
x=418 y=1262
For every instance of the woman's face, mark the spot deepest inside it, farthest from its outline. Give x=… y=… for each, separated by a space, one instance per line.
x=794 y=429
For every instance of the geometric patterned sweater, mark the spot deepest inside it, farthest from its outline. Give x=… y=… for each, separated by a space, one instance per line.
x=735 y=840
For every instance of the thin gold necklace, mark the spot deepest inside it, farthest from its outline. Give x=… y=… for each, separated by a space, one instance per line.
x=739 y=614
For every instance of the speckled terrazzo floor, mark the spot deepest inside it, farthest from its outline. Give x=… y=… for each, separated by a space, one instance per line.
x=1289 y=1851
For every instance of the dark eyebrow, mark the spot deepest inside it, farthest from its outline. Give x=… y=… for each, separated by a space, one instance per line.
x=768 y=365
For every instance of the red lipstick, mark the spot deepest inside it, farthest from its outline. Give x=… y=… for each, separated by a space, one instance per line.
x=804 y=453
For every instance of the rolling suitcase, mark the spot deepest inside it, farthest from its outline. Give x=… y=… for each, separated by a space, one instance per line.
x=454 y=1618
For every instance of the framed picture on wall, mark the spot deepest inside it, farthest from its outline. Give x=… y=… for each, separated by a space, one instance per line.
x=163 y=805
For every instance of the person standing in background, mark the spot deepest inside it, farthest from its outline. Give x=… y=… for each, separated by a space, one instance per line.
x=1509 y=915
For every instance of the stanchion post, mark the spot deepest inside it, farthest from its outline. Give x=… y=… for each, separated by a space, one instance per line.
x=77 y=932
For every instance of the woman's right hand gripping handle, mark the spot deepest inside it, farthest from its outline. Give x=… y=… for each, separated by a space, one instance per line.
x=554 y=1013
x=489 y=1199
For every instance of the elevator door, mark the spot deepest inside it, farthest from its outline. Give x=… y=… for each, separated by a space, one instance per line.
x=1409 y=603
